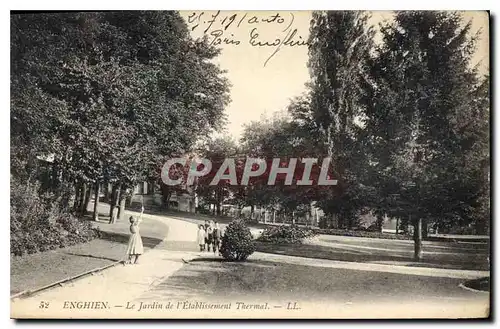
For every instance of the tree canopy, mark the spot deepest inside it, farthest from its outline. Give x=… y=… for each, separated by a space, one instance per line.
x=110 y=95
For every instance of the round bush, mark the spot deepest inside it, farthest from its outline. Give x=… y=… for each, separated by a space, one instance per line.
x=237 y=242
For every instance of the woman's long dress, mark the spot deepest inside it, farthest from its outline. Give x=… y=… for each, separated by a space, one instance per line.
x=135 y=246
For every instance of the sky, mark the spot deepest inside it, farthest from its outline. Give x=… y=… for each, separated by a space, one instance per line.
x=262 y=81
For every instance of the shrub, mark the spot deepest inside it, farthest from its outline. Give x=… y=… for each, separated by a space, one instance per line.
x=285 y=234
x=39 y=222
x=363 y=234
x=237 y=242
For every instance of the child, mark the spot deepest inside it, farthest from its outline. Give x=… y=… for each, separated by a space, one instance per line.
x=201 y=237
x=216 y=237
x=207 y=242
x=135 y=247
x=209 y=235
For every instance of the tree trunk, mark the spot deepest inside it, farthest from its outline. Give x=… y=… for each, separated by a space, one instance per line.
x=121 y=209
x=397 y=225
x=340 y=221
x=425 y=228
x=403 y=225
x=166 y=194
x=112 y=201
x=482 y=226
x=83 y=195
x=115 y=203
x=113 y=214
x=105 y=191
x=417 y=238
x=310 y=216
x=380 y=223
x=218 y=209
x=55 y=179
x=252 y=210
x=118 y=195
x=86 y=201
x=166 y=201
x=350 y=222
x=96 y=201
x=76 y=204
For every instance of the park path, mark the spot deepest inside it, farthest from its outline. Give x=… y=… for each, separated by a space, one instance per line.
x=117 y=285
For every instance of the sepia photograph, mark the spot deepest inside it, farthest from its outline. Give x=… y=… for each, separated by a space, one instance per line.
x=320 y=164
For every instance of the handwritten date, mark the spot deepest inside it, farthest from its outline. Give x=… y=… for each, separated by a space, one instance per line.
x=216 y=27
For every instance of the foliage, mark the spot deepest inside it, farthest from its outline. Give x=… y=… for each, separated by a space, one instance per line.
x=340 y=46
x=426 y=112
x=216 y=150
x=322 y=122
x=109 y=95
x=38 y=223
x=281 y=136
x=285 y=234
x=363 y=234
x=237 y=242
x=405 y=122
x=114 y=93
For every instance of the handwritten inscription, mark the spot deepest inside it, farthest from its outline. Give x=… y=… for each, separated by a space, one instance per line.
x=220 y=27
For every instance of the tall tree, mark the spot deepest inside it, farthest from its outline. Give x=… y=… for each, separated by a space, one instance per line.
x=419 y=107
x=216 y=150
x=340 y=43
x=286 y=135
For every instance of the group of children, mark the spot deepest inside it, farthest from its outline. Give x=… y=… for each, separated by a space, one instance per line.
x=209 y=235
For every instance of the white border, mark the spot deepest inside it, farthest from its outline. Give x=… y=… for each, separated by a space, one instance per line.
x=190 y=5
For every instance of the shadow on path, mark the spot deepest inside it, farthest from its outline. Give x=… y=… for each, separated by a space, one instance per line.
x=92 y=256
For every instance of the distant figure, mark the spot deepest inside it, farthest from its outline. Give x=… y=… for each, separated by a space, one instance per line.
x=216 y=237
x=135 y=247
x=201 y=237
x=207 y=243
x=209 y=235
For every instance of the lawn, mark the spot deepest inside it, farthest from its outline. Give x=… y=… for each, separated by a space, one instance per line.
x=33 y=271
x=37 y=270
x=460 y=260
x=217 y=280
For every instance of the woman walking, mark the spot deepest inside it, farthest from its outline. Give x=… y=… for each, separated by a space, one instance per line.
x=135 y=247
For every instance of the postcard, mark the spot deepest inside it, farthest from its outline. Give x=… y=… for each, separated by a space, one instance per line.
x=250 y=165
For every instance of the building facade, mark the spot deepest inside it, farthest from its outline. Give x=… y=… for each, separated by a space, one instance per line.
x=145 y=193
